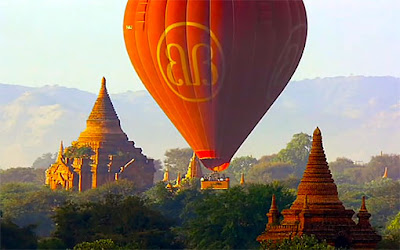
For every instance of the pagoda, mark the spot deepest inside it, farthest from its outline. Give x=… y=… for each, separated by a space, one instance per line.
x=318 y=211
x=194 y=168
x=101 y=154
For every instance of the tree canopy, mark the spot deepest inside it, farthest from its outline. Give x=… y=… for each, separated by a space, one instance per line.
x=44 y=161
x=297 y=152
x=26 y=175
x=240 y=165
x=232 y=218
x=177 y=160
x=128 y=222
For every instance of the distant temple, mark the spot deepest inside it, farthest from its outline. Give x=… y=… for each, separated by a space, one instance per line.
x=194 y=168
x=101 y=154
x=317 y=210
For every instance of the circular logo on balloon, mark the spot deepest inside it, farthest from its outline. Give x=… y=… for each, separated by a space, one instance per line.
x=191 y=61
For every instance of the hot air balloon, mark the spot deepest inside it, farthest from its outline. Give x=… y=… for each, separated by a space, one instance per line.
x=215 y=66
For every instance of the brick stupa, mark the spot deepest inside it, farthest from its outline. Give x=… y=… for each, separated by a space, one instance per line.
x=318 y=211
x=114 y=156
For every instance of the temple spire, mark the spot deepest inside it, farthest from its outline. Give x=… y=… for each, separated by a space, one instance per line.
x=385 y=174
x=242 y=182
x=60 y=152
x=363 y=215
x=103 y=123
x=178 y=180
x=317 y=180
x=363 y=206
x=103 y=85
x=166 y=176
x=273 y=214
x=194 y=168
x=103 y=108
x=273 y=203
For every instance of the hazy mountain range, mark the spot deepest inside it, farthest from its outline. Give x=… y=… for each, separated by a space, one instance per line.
x=359 y=117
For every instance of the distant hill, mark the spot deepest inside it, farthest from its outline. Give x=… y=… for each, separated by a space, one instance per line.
x=359 y=117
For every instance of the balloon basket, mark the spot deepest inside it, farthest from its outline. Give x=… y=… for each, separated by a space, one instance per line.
x=214 y=181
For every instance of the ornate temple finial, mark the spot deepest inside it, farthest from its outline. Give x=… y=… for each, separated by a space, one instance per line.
x=363 y=215
x=273 y=203
x=363 y=207
x=273 y=214
x=317 y=131
x=242 y=180
x=166 y=176
x=103 y=88
x=178 y=180
x=103 y=84
x=60 y=152
x=385 y=174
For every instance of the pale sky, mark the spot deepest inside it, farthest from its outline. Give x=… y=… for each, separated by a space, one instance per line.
x=74 y=43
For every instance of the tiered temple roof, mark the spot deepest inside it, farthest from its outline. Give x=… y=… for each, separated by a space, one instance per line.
x=103 y=123
x=317 y=210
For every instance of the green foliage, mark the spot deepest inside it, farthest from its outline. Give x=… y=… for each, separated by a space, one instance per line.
x=125 y=221
x=26 y=175
x=172 y=204
x=298 y=243
x=51 y=243
x=383 y=199
x=177 y=160
x=44 y=161
x=264 y=172
x=97 y=244
x=122 y=187
x=297 y=152
x=14 y=237
x=345 y=171
x=231 y=218
x=377 y=164
x=159 y=174
x=394 y=225
x=78 y=152
x=341 y=164
x=26 y=204
x=238 y=166
x=391 y=238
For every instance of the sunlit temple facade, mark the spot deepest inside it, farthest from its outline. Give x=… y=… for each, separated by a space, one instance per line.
x=102 y=154
x=318 y=211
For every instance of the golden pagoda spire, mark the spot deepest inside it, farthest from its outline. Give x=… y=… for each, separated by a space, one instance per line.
x=385 y=174
x=194 y=168
x=242 y=180
x=60 y=152
x=103 y=123
x=178 y=180
x=103 y=108
x=166 y=176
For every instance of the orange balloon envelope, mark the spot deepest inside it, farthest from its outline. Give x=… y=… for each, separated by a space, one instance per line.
x=215 y=66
